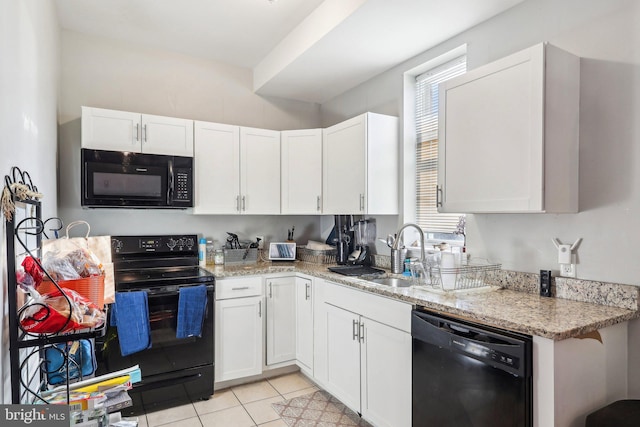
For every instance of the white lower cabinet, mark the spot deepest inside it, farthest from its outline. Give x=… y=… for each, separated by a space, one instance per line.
x=365 y=363
x=281 y=319
x=304 y=324
x=385 y=357
x=238 y=342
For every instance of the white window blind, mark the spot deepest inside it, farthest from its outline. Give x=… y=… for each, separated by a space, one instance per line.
x=427 y=215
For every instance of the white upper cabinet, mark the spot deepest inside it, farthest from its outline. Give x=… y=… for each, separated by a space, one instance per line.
x=260 y=171
x=134 y=132
x=301 y=171
x=237 y=170
x=508 y=134
x=217 y=168
x=167 y=135
x=360 y=166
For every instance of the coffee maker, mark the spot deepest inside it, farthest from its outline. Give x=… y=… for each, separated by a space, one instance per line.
x=364 y=232
x=343 y=238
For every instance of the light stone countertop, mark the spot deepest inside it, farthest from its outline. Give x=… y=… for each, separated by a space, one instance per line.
x=528 y=313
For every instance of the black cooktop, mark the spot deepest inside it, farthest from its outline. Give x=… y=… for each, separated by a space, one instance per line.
x=151 y=277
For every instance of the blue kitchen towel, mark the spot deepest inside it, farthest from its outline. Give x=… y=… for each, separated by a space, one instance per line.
x=132 y=321
x=192 y=305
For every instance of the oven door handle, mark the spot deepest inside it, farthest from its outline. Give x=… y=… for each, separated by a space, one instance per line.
x=170 y=184
x=154 y=294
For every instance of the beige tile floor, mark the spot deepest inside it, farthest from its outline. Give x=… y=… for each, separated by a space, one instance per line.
x=241 y=406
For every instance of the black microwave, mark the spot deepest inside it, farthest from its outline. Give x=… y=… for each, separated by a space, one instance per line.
x=136 y=180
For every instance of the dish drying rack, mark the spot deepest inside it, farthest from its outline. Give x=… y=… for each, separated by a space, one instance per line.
x=471 y=275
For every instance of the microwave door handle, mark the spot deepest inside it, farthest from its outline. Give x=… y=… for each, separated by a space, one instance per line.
x=170 y=184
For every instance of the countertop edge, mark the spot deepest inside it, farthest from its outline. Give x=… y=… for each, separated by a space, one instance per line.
x=618 y=315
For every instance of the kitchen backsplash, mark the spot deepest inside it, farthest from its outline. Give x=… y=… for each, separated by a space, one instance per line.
x=603 y=293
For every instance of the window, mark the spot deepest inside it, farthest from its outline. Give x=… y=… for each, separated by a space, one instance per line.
x=440 y=226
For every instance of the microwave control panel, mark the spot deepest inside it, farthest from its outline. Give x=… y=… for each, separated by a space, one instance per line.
x=182 y=185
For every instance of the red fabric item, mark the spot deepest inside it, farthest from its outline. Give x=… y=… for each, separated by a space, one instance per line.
x=33 y=269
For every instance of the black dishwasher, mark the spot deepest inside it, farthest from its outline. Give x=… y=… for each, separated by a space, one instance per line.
x=465 y=374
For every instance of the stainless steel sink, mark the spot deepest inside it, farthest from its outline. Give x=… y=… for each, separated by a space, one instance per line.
x=392 y=281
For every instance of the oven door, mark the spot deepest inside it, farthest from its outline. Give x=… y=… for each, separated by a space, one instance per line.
x=172 y=369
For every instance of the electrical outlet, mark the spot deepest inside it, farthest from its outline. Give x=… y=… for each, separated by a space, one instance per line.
x=568 y=270
x=545 y=283
x=261 y=242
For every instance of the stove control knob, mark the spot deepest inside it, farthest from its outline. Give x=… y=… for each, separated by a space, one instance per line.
x=116 y=245
x=171 y=244
x=189 y=243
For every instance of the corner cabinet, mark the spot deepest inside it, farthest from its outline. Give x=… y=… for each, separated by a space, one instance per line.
x=508 y=135
x=360 y=166
x=139 y=133
x=301 y=172
x=363 y=362
x=237 y=169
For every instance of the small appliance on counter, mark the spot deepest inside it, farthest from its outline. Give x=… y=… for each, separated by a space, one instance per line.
x=342 y=238
x=353 y=246
x=364 y=232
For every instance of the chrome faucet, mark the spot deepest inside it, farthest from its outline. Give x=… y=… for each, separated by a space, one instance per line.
x=399 y=236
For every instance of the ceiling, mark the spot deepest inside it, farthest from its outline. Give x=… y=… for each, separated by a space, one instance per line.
x=308 y=50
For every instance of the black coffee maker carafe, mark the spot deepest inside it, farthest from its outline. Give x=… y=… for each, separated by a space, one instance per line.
x=343 y=238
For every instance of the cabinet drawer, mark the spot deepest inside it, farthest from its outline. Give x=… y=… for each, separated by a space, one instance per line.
x=238 y=288
x=387 y=311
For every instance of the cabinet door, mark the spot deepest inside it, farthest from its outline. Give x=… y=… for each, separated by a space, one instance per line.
x=167 y=135
x=281 y=319
x=238 y=338
x=260 y=171
x=343 y=163
x=386 y=375
x=110 y=130
x=301 y=171
x=491 y=136
x=342 y=352
x=217 y=168
x=304 y=323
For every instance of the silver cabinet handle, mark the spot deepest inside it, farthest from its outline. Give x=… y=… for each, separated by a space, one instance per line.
x=356 y=330
x=438 y=196
x=242 y=288
x=244 y=204
x=361 y=332
x=270 y=290
x=137 y=132
x=318 y=205
x=361 y=202
x=238 y=203
x=306 y=291
x=260 y=308
x=144 y=133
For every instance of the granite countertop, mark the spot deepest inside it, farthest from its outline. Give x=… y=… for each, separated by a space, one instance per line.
x=528 y=313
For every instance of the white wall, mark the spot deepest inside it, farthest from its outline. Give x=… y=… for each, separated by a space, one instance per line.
x=606 y=35
x=101 y=73
x=29 y=71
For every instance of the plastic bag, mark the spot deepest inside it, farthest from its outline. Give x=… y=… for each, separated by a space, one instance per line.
x=60 y=268
x=48 y=314
x=85 y=263
x=24 y=280
x=32 y=268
